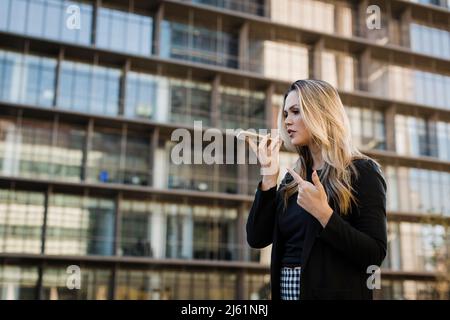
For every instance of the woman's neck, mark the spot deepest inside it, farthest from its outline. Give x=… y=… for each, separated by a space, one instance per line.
x=316 y=154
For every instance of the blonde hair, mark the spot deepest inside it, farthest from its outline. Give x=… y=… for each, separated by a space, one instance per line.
x=325 y=118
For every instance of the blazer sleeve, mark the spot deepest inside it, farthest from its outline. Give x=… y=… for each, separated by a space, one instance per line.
x=261 y=219
x=364 y=241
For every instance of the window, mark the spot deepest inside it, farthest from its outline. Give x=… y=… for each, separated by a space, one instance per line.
x=89 y=88
x=203 y=177
x=67 y=154
x=214 y=234
x=27 y=78
x=124 y=31
x=422 y=246
x=285 y=61
x=443 y=140
x=139 y=285
x=255 y=7
x=367 y=127
x=339 y=70
x=393 y=257
x=241 y=108
x=190 y=101
x=402 y=83
x=21 y=220
x=79 y=225
x=141 y=96
x=18 y=282
x=137 y=160
x=417 y=190
x=33 y=149
x=47 y=19
x=201 y=232
x=257 y=287
x=418 y=137
x=199 y=44
x=95 y=284
x=311 y=14
x=392 y=190
x=153 y=284
x=137 y=224
x=410 y=290
x=179 y=231
x=104 y=157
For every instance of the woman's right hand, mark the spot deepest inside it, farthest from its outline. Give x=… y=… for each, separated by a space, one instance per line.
x=269 y=158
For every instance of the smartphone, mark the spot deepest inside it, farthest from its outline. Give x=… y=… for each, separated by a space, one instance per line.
x=243 y=134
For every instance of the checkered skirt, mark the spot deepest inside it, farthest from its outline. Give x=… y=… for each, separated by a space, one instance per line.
x=290 y=283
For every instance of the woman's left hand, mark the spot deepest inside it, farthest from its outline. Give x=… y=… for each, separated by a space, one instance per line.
x=312 y=197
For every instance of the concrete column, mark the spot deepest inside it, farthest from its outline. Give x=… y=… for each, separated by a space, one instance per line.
x=117 y=248
x=405 y=23
x=363 y=70
x=316 y=61
x=57 y=76
x=96 y=6
x=241 y=237
x=389 y=121
x=154 y=138
x=123 y=152
x=244 y=47
x=215 y=102
x=86 y=149
x=432 y=134
x=158 y=18
x=361 y=18
x=187 y=236
x=123 y=86
x=158 y=233
x=270 y=118
x=340 y=67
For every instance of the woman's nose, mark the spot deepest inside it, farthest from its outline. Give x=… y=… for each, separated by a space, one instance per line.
x=287 y=120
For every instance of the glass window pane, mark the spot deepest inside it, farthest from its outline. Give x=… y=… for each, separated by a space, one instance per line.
x=4 y=14
x=18 y=282
x=80 y=225
x=35 y=18
x=54 y=18
x=19 y=12
x=21 y=216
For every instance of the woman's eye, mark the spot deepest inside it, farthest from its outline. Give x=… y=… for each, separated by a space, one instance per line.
x=295 y=111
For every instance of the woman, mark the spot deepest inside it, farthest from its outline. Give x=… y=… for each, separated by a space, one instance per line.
x=327 y=220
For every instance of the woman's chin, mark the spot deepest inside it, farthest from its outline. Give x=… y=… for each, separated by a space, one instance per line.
x=296 y=142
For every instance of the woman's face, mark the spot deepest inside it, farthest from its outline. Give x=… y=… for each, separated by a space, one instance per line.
x=295 y=126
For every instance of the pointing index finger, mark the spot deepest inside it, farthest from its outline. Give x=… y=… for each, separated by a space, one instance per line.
x=296 y=176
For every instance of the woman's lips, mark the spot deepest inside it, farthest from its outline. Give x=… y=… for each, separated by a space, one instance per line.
x=291 y=133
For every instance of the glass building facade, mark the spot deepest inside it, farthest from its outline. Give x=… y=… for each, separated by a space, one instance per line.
x=92 y=91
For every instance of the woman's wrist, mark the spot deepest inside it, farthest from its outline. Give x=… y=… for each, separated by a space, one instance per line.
x=268 y=182
x=325 y=216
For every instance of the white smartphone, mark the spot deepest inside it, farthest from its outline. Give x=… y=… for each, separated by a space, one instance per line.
x=243 y=133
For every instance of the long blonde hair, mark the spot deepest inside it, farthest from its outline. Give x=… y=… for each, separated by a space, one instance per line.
x=325 y=118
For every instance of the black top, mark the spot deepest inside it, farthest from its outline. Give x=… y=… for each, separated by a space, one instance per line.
x=293 y=224
x=336 y=259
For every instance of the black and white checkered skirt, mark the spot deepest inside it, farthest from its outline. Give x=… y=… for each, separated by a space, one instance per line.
x=290 y=283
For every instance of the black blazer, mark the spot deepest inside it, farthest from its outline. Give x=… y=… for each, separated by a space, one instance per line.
x=335 y=258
